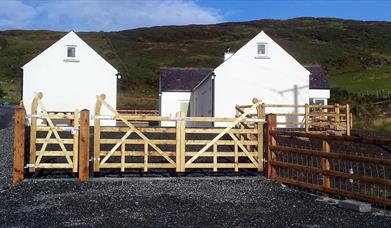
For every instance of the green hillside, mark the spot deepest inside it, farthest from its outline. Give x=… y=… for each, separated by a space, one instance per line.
x=356 y=54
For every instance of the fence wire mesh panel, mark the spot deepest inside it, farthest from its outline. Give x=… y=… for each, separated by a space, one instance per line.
x=53 y=138
x=347 y=166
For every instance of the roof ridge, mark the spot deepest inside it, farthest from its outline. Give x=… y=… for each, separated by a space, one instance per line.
x=187 y=68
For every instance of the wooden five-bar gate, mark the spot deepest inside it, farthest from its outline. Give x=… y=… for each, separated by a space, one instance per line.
x=130 y=146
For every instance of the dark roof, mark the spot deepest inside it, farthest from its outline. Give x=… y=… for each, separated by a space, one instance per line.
x=318 y=77
x=181 y=79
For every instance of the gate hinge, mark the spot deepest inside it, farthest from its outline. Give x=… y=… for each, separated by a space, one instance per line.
x=29 y=166
x=39 y=116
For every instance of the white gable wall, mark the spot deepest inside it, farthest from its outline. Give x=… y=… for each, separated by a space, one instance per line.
x=67 y=86
x=278 y=79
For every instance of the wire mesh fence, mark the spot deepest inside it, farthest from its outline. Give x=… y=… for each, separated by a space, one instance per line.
x=351 y=167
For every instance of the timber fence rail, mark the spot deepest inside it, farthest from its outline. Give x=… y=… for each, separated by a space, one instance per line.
x=347 y=166
x=312 y=118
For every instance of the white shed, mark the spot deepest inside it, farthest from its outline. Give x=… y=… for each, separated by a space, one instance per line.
x=69 y=74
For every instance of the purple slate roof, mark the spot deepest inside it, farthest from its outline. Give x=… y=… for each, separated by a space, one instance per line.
x=318 y=77
x=181 y=79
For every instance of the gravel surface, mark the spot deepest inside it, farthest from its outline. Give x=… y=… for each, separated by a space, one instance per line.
x=6 y=157
x=6 y=144
x=174 y=202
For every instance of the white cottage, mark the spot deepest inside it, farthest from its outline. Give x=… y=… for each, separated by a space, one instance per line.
x=262 y=69
x=70 y=74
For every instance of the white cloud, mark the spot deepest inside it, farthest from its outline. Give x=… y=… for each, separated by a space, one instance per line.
x=95 y=15
x=15 y=14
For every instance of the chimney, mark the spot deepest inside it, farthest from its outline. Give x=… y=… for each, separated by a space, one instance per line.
x=227 y=54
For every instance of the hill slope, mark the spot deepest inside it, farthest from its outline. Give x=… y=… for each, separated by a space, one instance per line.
x=356 y=54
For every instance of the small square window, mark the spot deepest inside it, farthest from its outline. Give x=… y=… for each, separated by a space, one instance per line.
x=71 y=52
x=262 y=49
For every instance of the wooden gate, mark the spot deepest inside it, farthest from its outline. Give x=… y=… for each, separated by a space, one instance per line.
x=230 y=147
x=129 y=145
x=53 y=138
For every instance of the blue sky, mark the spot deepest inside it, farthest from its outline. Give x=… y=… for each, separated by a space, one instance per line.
x=113 y=15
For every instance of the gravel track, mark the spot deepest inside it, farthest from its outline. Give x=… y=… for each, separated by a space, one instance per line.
x=174 y=202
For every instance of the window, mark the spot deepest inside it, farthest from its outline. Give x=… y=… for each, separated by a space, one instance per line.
x=315 y=101
x=262 y=49
x=71 y=51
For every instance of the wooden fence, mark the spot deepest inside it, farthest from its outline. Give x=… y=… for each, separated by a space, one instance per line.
x=347 y=166
x=180 y=148
x=317 y=118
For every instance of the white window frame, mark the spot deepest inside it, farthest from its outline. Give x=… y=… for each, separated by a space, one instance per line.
x=314 y=100
x=70 y=58
x=259 y=55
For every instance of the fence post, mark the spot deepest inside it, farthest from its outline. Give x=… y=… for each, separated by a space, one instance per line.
x=84 y=145
x=33 y=130
x=325 y=164
x=306 y=117
x=180 y=142
x=347 y=119
x=98 y=106
x=271 y=125
x=261 y=115
x=19 y=143
x=337 y=117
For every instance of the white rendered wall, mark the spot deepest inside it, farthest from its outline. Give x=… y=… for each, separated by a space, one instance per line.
x=277 y=79
x=320 y=93
x=67 y=86
x=170 y=104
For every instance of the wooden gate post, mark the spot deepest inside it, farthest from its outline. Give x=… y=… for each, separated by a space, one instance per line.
x=98 y=106
x=306 y=117
x=261 y=115
x=33 y=130
x=325 y=164
x=19 y=144
x=84 y=145
x=180 y=142
x=347 y=119
x=271 y=125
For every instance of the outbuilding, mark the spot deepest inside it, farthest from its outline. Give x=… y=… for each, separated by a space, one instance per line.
x=69 y=74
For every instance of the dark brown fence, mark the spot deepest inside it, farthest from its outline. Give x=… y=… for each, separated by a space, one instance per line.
x=347 y=166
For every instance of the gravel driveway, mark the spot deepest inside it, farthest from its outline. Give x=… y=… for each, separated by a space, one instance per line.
x=172 y=201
